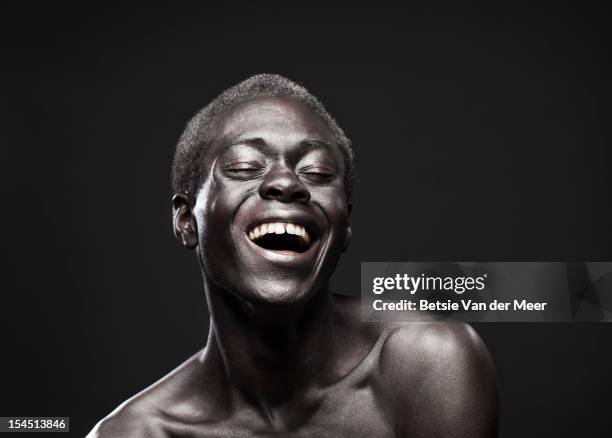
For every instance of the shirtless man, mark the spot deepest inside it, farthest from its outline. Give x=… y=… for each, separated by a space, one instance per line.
x=262 y=178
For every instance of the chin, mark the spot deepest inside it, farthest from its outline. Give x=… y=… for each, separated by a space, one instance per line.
x=281 y=292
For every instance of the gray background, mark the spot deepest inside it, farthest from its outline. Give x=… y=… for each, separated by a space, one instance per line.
x=480 y=134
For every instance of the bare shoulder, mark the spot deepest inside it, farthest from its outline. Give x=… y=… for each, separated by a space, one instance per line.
x=423 y=348
x=148 y=413
x=434 y=345
x=442 y=369
x=131 y=419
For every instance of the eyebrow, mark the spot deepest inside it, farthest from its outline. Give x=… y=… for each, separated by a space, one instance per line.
x=262 y=145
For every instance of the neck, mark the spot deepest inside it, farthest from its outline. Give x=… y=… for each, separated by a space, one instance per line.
x=269 y=352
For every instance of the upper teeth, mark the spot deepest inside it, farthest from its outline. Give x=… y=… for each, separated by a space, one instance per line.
x=279 y=228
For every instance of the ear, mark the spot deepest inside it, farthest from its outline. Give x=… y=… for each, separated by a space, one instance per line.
x=347 y=237
x=185 y=225
x=349 y=230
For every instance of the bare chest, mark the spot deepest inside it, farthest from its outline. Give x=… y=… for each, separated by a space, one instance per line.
x=344 y=413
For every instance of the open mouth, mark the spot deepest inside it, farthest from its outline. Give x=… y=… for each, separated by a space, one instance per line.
x=281 y=237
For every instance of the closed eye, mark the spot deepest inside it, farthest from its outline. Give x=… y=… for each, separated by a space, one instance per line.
x=317 y=175
x=243 y=171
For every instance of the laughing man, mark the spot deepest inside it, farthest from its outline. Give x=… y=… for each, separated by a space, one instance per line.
x=262 y=179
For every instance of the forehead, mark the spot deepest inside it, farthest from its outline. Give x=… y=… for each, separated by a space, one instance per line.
x=277 y=120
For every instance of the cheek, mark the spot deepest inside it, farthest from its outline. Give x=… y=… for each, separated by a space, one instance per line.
x=333 y=202
x=217 y=205
x=210 y=210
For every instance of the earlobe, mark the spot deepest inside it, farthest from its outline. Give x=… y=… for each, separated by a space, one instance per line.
x=347 y=237
x=184 y=223
x=349 y=230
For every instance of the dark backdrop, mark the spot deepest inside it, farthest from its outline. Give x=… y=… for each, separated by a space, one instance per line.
x=494 y=123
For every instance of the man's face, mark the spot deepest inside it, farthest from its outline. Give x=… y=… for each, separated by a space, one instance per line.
x=272 y=213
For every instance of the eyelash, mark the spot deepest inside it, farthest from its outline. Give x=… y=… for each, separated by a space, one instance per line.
x=244 y=170
x=317 y=176
x=247 y=171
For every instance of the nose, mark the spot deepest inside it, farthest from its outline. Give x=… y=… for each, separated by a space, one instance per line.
x=281 y=184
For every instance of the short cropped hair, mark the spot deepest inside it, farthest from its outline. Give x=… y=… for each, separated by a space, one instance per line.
x=187 y=169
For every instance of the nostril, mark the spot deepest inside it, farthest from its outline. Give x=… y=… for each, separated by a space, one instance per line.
x=300 y=196
x=283 y=188
x=274 y=193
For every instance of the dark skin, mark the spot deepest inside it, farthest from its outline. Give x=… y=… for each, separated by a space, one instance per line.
x=285 y=357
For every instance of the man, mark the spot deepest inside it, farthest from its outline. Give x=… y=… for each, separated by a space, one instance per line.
x=262 y=177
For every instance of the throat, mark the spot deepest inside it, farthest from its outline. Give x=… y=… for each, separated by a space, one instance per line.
x=269 y=359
